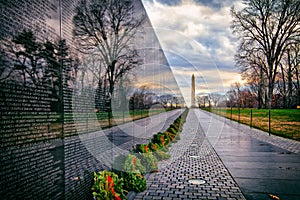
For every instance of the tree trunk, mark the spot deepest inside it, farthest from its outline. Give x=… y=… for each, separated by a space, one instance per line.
x=259 y=96
x=111 y=75
x=290 y=82
x=298 y=87
x=270 y=94
x=284 y=96
x=271 y=77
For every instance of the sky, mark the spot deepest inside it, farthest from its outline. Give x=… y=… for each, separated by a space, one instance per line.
x=196 y=38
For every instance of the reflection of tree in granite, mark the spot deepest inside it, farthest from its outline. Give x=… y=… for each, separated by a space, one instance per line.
x=24 y=60
x=32 y=63
x=109 y=28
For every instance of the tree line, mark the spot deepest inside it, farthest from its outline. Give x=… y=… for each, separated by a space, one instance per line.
x=105 y=32
x=102 y=55
x=28 y=62
x=268 y=54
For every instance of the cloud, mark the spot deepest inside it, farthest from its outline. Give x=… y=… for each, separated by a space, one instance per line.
x=196 y=38
x=197 y=23
x=158 y=77
x=216 y=4
x=169 y=2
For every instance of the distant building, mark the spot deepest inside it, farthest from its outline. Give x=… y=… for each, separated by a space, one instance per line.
x=193 y=96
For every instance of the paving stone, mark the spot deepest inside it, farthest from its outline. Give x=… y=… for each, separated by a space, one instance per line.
x=174 y=174
x=285 y=143
x=183 y=196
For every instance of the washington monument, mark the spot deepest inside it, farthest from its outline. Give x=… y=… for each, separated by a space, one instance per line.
x=193 y=104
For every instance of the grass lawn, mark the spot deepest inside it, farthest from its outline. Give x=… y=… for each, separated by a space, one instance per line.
x=121 y=118
x=89 y=122
x=48 y=125
x=284 y=122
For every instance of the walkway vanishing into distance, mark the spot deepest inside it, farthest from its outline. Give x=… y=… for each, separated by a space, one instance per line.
x=227 y=161
x=140 y=131
x=105 y=145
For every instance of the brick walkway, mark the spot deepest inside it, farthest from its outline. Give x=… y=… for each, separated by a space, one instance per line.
x=192 y=157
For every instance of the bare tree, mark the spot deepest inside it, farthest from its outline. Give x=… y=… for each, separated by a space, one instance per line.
x=296 y=65
x=267 y=28
x=289 y=76
x=142 y=98
x=231 y=100
x=166 y=100
x=254 y=71
x=234 y=95
x=22 y=59
x=215 y=98
x=202 y=100
x=177 y=100
x=109 y=26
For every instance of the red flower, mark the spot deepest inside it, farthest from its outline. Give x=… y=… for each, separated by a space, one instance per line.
x=146 y=148
x=113 y=191
x=109 y=179
x=162 y=140
x=117 y=198
x=110 y=182
x=134 y=161
x=110 y=186
x=154 y=146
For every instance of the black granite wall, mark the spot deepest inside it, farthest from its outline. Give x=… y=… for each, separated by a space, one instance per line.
x=41 y=155
x=32 y=150
x=47 y=150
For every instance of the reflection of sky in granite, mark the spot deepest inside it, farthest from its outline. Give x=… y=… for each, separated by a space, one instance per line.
x=155 y=73
x=53 y=18
x=155 y=69
x=42 y=18
x=158 y=77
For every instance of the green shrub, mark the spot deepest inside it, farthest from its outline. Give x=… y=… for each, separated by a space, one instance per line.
x=161 y=155
x=141 y=148
x=132 y=171
x=134 y=181
x=173 y=129
x=161 y=139
x=157 y=147
x=132 y=164
x=149 y=161
x=107 y=185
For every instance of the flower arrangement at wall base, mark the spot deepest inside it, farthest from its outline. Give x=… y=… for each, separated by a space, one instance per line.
x=132 y=167
x=149 y=161
x=161 y=138
x=132 y=172
x=134 y=182
x=161 y=155
x=107 y=186
x=157 y=147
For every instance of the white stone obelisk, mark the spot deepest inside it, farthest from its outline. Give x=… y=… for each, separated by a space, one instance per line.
x=193 y=104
